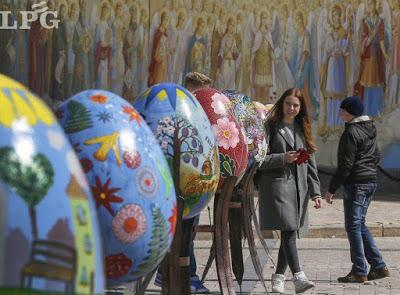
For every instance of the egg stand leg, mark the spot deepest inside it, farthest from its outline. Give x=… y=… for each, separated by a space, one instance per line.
x=236 y=232
x=256 y=223
x=220 y=247
x=221 y=236
x=170 y=268
x=143 y=283
x=247 y=196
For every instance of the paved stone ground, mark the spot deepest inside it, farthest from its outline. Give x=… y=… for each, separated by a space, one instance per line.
x=323 y=260
x=383 y=219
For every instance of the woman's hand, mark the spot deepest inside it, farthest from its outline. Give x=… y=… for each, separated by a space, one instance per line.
x=291 y=156
x=317 y=202
x=329 y=198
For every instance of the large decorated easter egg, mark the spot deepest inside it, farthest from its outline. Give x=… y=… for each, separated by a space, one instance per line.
x=187 y=140
x=129 y=178
x=253 y=125
x=231 y=138
x=49 y=234
x=262 y=109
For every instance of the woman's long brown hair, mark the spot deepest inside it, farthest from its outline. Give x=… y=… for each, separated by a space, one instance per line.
x=275 y=116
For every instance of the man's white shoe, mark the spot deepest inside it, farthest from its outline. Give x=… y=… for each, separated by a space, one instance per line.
x=278 y=283
x=301 y=283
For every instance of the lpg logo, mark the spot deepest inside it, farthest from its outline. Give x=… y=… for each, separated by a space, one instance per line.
x=40 y=11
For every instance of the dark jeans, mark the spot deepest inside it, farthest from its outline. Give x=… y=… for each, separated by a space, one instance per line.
x=193 y=265
x=288 y=253
x=356 y=200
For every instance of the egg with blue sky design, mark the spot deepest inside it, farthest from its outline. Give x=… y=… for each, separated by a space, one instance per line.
x=129 y=178
x=185 y=135
x=49 y=235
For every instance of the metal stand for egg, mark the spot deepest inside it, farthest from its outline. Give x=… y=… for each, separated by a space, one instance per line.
x=174 y=268
x=246 y=204
x=248 y=215
x=220 y=246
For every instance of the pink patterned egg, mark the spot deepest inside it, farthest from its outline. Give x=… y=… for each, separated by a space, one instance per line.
x=230 y=134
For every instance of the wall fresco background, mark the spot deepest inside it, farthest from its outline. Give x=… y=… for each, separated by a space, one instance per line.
x=329 y=49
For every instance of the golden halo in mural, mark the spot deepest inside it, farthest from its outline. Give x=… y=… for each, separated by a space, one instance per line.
x=336 y=7
x=299 y=12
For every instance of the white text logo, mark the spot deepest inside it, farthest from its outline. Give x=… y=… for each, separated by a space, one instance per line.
x=40 y=11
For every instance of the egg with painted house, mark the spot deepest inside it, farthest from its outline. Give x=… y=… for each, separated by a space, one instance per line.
x=229 y=133
x=187 y=140
x=49 y=234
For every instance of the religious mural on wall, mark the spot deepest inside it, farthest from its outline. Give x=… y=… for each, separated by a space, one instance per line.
x=328 y=48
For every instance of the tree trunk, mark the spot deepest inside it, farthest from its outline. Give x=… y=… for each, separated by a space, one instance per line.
x=32 y=214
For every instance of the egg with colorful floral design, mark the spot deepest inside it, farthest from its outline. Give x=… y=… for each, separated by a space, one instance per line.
x=187 y=140
x=49 y=234
x=253 y=124
x=229 y=132
x=129 y=178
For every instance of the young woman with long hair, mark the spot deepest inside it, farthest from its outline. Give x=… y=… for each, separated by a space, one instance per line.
x=288 y=179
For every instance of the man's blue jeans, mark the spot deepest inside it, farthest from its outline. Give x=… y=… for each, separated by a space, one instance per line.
x=356 y=200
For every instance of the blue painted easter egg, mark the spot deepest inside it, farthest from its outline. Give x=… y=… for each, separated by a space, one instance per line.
x=187 y=140
x=49 y=234
x=129 y=178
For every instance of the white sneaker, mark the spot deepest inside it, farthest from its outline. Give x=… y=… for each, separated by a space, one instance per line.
x=301 y=283
x=278 y=283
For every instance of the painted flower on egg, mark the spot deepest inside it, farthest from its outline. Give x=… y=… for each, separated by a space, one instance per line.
x=226 y=132
x=129 y=178
x=220 y=103
x=129 y=223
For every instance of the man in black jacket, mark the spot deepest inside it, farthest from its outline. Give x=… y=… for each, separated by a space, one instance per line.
x=358 y=157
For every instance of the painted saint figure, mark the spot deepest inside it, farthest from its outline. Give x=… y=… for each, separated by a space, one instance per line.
x=195 y=61
x=158 y=69
x=227 y=58
x=372 y=82
x=59 y=88
x=131 y=48
x=103 y=49
x=334 y=78
x=394 y=86
x=261 y=60
x=83 y=50
x=301 y=62
x=118 y=63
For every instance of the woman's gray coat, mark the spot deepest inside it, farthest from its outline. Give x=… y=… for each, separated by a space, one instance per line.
x=286 y=188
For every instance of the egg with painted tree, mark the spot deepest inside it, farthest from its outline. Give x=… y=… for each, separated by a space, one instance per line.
x=49 y=235
x=129 y=178
x=187 y=140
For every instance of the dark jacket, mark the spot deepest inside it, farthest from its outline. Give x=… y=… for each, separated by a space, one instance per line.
x=285 y=189
x=358 y=154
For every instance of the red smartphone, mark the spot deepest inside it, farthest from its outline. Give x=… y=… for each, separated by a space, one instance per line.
x=303 y=156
